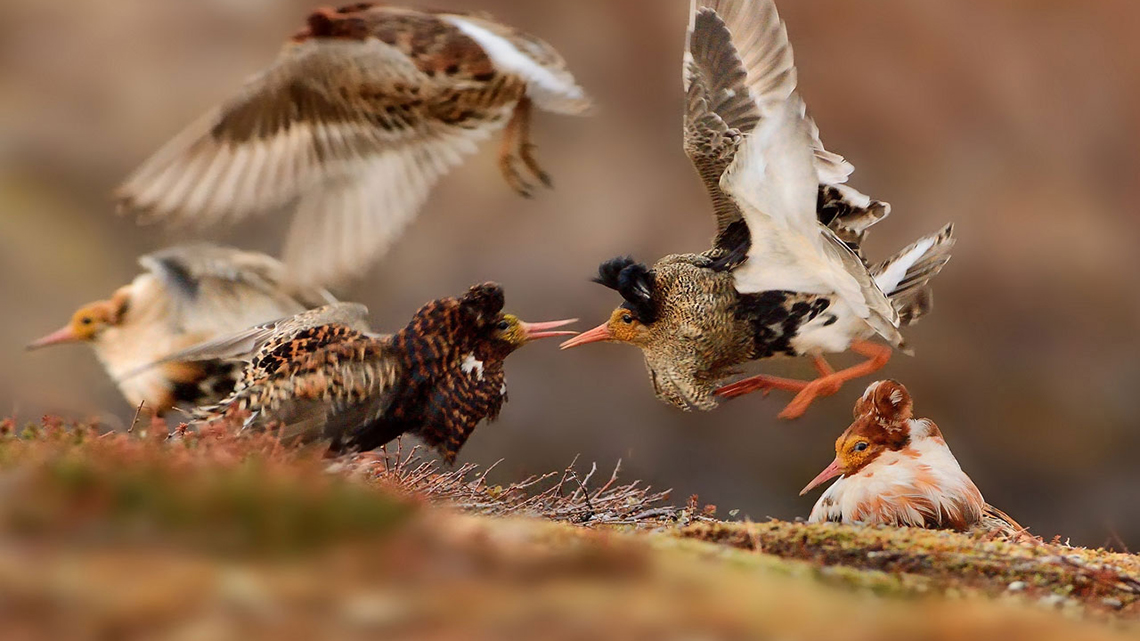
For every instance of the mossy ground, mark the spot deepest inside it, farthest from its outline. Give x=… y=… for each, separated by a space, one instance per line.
x=215 y=536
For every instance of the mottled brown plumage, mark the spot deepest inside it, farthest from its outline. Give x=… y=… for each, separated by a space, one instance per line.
x=785 y=275
x=353 y=124
x=322 y=376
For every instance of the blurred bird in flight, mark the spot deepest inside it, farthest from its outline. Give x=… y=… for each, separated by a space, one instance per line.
x=351 y=127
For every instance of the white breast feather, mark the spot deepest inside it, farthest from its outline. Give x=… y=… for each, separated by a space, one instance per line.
x=472 y=364
x=890 y=482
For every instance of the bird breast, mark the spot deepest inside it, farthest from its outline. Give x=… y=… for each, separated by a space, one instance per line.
x=697 y=338
x=921 y=485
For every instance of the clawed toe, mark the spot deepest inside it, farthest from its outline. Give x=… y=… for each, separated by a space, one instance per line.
x=508 y=165
x=526 y=152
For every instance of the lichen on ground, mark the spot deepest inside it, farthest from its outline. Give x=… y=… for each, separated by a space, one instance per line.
x=224 y=536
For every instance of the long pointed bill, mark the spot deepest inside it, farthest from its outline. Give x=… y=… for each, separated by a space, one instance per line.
x=596 y=335
x=535 y=331
x=65 y=335
x=830 y=472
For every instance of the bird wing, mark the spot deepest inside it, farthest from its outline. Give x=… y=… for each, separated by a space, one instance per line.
x=774 y=181
x=548 y=79
x=246 y=344
x=218 y=290
x=345 y=390
x=322 y=384
x=738 y=62
x=337 y=124
x=345 y=221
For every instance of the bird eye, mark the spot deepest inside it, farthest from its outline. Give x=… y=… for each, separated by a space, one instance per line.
x=86 y=321
x=860 y=446
x=627 y=319
x=504 y=325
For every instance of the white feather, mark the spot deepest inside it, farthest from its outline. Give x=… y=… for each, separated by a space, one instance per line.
x=508 y=58
x=890 y=278
x=890 y=481
x=471 y=364
x=774 y=181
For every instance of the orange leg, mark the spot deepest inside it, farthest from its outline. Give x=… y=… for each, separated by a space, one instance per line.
x=828 y=383
x=769 y=383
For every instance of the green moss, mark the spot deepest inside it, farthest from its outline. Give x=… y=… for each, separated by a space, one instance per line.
x=67 y=483
x=927 y=560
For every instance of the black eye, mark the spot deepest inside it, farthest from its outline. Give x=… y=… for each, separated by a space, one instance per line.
x=627 y=319
x=860 y=446
x=504 y=325
x=86 y=321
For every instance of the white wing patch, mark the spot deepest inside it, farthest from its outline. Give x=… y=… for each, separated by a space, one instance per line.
x=774 y=182
x=472 y=364
x=890 y=278
x=508 y=58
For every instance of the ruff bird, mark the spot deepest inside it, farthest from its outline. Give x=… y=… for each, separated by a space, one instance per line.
x=186 y=295
x=321 y=376
x=897 y=470
x=351 y=127
x=785 y=275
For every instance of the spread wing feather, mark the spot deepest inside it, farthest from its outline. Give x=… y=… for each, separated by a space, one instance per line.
x=774 y=181
x=216 y=289
x=738 y=63
x=318 y=127
x=245 y=344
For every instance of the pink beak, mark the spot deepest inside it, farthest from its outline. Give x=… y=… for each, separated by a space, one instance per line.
x=535 y=331
x=65 y=335
x=596 y=335
x=830 y=472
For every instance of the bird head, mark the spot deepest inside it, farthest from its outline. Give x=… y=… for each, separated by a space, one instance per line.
x=515 y=332
x=630 y=322
x=86 y=325
x=622 y=327
x=882 y=423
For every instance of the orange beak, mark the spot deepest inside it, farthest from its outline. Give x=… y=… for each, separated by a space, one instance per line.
x=830 y=472
x=65 y=335
x=535 y=331
x=596 y=335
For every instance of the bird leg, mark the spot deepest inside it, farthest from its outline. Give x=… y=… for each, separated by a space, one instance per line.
x=828 y=383
x=769 y=383
x=516 y=147
x=526 y=147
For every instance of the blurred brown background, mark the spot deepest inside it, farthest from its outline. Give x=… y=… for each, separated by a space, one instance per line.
x=1017 y=119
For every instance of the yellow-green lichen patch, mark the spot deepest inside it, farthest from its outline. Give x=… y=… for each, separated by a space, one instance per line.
x=953 y=562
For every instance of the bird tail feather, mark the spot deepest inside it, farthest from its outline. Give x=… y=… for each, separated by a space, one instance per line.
x=905 y=277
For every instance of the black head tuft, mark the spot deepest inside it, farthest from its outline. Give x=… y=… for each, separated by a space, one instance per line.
x=484 y=302
x=610 y=271
x=634 y=281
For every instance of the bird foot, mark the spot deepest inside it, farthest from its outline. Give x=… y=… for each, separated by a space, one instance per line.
x=508 y=164
x=819 y=388
x=806 y=391
x=526 y=152
x=517 y=149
